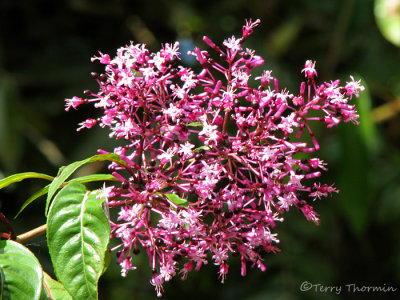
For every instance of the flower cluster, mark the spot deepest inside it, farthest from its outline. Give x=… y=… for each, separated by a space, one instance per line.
x=212 y=160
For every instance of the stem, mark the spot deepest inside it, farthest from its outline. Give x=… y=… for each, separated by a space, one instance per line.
x=8 y=224
x=140 y=154
x=25 y=237
x=227 y=113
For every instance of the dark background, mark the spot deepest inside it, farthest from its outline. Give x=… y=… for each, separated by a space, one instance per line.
x=45 y=51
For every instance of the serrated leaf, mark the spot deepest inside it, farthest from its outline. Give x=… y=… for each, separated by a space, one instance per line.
x=21 y=176
x=22 y=272
x=54 y=289
x=67 y=171
x=177 y=200
x=78 y=233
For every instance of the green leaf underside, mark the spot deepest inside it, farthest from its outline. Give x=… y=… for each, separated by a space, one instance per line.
x=177 y=200
x=67 y=171
x=21 y=270
x=78 y=233
x=55 y=290
x=21 y=176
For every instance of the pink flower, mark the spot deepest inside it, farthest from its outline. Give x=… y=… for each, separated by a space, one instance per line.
x=89 y=123
x=210 y=132
x=73 y=102
x=232 y=44
x=103 y=58
x=126 y=265
x=353 y=87
x=255 y=62
x=288 y=123
x=265 y=77
x=166 y=156
x=248 y=28
x=186 y=150
x=170 y=52
x=157 y=280
x=223 y=271
x=309 y=69
x=212 y=161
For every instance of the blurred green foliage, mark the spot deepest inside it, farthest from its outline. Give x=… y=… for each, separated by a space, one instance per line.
x=45 y=50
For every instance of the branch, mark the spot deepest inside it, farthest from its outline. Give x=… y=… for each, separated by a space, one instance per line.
x=25 y=237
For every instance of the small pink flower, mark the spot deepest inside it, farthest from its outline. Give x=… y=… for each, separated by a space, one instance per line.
x=157 y=280
x=73 y=102
x=265 y=77
x=232 y=44
x=248 y=28
x=223 y=271
x=309 y=69
x=298 y=101
x=126 y=265
x=186 y=150
x=103 y=58
x=89 y=123
x=353 y=87
x=166 y=156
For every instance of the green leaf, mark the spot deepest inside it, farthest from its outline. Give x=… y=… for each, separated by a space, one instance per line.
x=195 y=124
x=367 y=127
x=94 y=177
x=202 y=147
x=21 y=176
x=67 y=171
x=22 y=272
x=177 y=200
x=55 y=290
x=44 y=295
x=78 y=233
x=358 y=146
x=83 y=179
x=107 y=260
